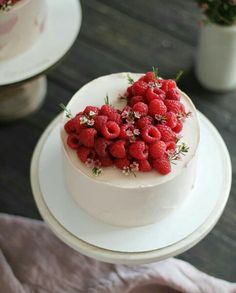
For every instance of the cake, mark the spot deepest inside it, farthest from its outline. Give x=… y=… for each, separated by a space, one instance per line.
x=21 y=23
x=141 y=198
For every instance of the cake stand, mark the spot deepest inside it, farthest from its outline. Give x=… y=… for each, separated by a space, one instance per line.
x=22 y=78
x=176 y=233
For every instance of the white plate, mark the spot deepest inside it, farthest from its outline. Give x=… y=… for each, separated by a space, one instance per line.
x=63 y=24
x=174 y=234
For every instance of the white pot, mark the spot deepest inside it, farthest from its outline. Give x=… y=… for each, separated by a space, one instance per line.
x=216 y=57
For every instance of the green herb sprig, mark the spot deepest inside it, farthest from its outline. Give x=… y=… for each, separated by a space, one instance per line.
x=67 y=111
x=130 y=79
x=155 y=71
x=106 y=100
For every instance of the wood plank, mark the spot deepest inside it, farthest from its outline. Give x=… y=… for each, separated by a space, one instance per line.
x=129 y=38
x=177 y=18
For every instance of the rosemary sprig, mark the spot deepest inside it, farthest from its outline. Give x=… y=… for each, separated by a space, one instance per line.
x=178 y=75
x=182 y=149
x=96 y=171
x=155 y=71
x=130 y=79
x=67 y=111
x=106 y=99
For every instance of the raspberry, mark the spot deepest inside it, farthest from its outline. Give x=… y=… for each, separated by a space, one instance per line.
x=90 y=109
x=70 y=126
x=170 y=146
x=77 y=123
x=87 y=137
x=122 y=163
x=150 y=77
x=111 y=113
x=162 y=165
x=150 y=134
x=171 y=119
x=106 y=161
x=141 y=108
x=157 y=149
x=129 y=92
x=100 y=146
x=125 y=130
x=144 y=121
x=138 y=150
x=116 y=118
x=178 y=127
x=166 y=133
x=100 y=121
x=156 y=93
x=139 y=88
x=111 y=130
x=167 y=84
x=136 y=99
x=142 y=78
x=117 y=149
x=73 y=141
x=173 y=94
x=174 y=106
x=144 y=166
x=84 y=153
x=156 y=107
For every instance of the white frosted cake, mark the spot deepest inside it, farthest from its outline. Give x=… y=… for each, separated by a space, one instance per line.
x=20 y=25
x=142 y=197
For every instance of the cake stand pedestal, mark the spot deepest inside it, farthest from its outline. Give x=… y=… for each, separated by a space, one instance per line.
x=176 y=233
x=23 y=83
x=22 y=99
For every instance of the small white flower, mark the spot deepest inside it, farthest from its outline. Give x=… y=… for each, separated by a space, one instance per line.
x=134 y=166
x=129 y=132
x=125 y=114
x=126 y=171
x=90 y=122
x=130 y=120
x=170 y=153
x=132 y=139
x=92 y=113
x=89 y=163
x=136 y=131
x=83 y=120
x=179 y=136
x=137 y=115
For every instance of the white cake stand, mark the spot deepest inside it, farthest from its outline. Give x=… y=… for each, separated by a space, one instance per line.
x=173 y=235
x=22 y=75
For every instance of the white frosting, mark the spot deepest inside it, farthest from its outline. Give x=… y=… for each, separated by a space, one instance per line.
x=127 y=200
x=21 y=26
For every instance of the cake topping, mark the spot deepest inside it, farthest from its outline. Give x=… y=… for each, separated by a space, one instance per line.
x=143 y=136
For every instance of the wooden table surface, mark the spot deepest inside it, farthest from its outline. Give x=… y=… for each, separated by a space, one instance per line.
x=133 y=36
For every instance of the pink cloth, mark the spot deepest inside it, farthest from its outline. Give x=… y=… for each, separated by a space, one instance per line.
x=33 y=260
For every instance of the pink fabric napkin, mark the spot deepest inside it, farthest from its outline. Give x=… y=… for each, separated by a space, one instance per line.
x=33 y=260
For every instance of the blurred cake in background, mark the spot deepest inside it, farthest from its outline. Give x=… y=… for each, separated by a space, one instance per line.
x=21 y=23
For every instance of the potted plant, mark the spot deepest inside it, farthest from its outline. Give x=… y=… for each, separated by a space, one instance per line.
x=216 y=56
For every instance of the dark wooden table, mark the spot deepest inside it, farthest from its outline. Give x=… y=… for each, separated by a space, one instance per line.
x=134 y=35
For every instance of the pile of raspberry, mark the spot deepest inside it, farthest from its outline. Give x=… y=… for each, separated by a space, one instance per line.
x=141 y=137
